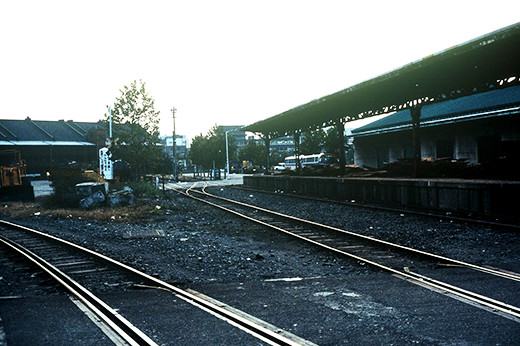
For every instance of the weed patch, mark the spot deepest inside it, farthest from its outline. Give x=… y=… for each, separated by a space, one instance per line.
x=145 y=209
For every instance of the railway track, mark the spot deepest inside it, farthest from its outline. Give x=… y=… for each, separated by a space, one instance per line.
x=80 y=271
x=411 y=211
x=455 y=278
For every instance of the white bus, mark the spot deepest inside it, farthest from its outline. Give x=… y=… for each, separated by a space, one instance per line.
x=309 y=160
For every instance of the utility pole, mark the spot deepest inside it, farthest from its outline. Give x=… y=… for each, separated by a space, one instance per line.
x=174 y=147
x=110 y=123
x=227 y=153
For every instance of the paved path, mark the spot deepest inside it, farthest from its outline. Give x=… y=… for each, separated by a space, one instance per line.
x=233 y=179
x=44 y=188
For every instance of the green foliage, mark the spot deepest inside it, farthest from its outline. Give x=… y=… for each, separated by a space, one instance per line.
x=164 y=164
x=275 y=157
x=64 y=183
x=332 y=141
x=135 y=126
x=209 y=149
x=312 y=142
x=141 y=188
x=217 y=146
x=135 y=106
x=198 y=153
x=254 y=152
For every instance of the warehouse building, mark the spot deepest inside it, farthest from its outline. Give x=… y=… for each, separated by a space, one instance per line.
x=46 y=145
x=479 y=129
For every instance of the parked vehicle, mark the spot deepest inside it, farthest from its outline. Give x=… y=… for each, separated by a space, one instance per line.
x=14 y=183
x=323 y=159
x=279 y=167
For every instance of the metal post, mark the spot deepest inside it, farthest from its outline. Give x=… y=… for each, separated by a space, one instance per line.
x=110 y=123
x=416 y=119
x=267 y=140
x=227 y=153
x=227 y=156
x=174 y=147
x=341 y=142
x=297 y=165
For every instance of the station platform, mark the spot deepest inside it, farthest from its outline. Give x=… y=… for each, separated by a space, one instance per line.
x=489 y=199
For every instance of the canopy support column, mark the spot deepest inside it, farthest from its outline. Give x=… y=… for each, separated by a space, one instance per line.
x=341 y=145
x=416 y=119
x=267 y=141
x=298 y=164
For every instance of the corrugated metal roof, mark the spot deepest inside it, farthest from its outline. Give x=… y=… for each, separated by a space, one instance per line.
x=22 y=130
x=491 y=103
x=469 y=68
x=45 y=143
x=59 y=130
x=55 y=132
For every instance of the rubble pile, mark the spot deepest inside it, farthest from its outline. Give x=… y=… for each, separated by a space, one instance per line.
x=93 y=195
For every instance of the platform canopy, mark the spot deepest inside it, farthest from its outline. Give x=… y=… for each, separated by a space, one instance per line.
x=488 y=62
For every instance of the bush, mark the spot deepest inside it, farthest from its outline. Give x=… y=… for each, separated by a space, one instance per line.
x=64 y=183
x=142 y=188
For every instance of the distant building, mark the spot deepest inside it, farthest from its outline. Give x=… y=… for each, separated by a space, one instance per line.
x=482 y=128
x=46 y=145
x=234 y=133
x=284 y=145
x=238 y=135
x=181 y=147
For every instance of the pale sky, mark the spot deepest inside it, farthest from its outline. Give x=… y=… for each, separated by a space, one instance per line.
x=218 y=62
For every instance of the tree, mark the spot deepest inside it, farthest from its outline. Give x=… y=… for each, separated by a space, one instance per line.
x=332 y=141
x=210 y=150
x=217 y=146
x=275 y=157
x=254 y=152
x=198 y=151
x=136 y=130
x=312 y=142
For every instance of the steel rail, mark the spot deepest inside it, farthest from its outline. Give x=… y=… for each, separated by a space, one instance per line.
x=492 y=304
x=493 y=271
x=259 y=331
x=121 y=326
x=390 y=209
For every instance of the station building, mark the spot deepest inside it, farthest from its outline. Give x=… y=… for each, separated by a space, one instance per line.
x=461 y=103
x=481 y=128
x=46 y=145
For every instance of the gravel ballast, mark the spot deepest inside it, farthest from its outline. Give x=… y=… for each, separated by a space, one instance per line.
x=195 y=246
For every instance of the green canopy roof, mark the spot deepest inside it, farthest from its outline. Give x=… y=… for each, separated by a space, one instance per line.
x=485 y=63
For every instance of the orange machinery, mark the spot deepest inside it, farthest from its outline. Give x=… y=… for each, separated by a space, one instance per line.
x=14 y=184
